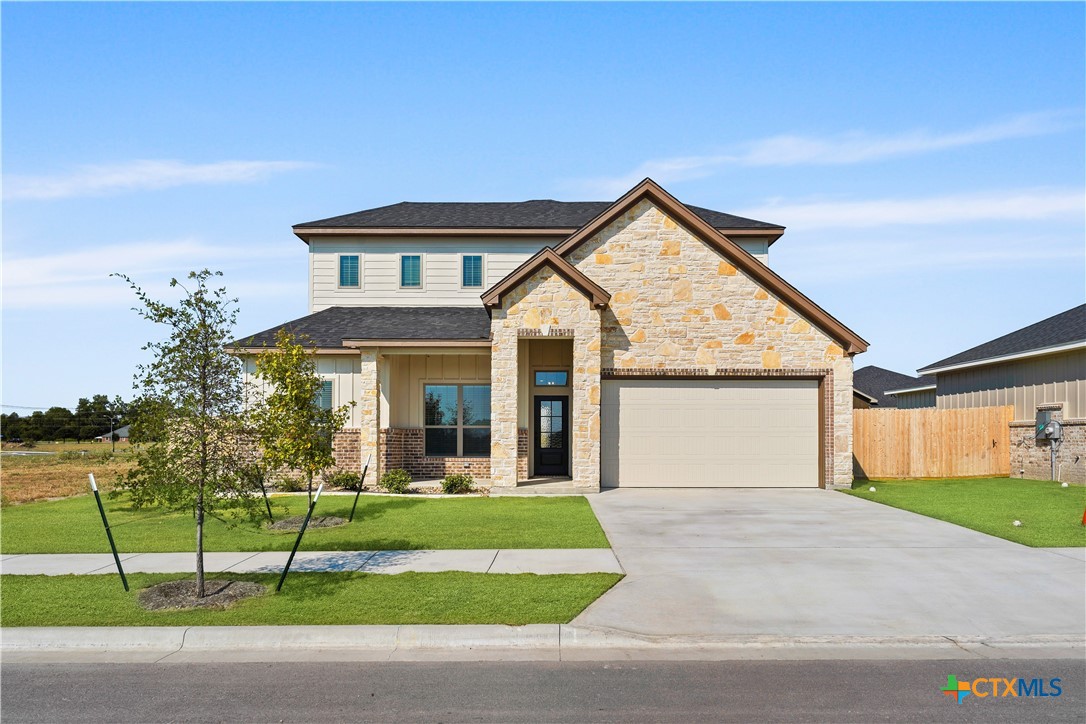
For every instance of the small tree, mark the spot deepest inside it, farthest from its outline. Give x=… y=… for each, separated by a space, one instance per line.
x=292 y=428
x=190 y=411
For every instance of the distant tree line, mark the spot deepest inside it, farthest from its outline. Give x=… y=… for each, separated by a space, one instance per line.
x=89 y=420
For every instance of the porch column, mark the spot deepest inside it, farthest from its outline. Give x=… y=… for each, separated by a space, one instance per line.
x=585 y=422
x=368 y=409
x=384 y=408
x=503 y=403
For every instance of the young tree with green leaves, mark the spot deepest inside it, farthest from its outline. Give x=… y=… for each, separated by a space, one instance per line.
x=294 y=430
x=191 y=410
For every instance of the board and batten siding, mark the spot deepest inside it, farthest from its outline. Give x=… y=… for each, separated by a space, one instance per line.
x=379 y=268
x=1026 y=384
x=345 y=372
x=915 y=400
x=409 y=372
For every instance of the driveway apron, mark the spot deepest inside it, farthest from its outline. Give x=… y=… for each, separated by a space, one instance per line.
x=820 y=563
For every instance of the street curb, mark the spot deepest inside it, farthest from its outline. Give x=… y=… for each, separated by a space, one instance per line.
x=540 y=641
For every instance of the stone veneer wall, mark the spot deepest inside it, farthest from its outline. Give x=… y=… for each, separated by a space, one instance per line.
x=678 y=304
x=1031 y=458
x=545 y=305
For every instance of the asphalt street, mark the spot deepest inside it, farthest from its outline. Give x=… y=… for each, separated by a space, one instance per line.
x=729 y=691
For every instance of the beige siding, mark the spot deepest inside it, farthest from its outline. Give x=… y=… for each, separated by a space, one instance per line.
x=1025 y=384
x=379 y=264
x=914 y=400
x=343 y=370
x=379 y=268
x=408 y=373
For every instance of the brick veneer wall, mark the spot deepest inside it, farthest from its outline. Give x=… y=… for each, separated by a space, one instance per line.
x=678 y=304
x=405 y=447
x=347 y=450
x=1031 y=458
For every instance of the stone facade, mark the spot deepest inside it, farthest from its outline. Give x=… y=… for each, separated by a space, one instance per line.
x=678 y=304
x=545 y=305
x=367 y=405
x=1032 y=458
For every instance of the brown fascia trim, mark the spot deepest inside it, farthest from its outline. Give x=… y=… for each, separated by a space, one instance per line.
x=305 y=233
x=547 y=257
x=850 y=341
x=315 y=350
x=356 y=343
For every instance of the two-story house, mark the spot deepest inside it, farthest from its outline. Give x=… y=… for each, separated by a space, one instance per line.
x=572 y=346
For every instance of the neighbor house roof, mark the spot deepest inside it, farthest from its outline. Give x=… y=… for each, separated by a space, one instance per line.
x=544 y=216
x=1063 y=331
x=119 y=432
x=877 y=382
x=336 y=327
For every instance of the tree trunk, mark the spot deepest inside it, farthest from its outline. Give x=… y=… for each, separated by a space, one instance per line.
x=200 y=593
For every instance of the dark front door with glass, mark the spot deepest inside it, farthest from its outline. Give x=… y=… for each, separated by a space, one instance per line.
x=552 y=435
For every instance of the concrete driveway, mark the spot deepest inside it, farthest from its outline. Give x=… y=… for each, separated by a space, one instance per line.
x=820 y=563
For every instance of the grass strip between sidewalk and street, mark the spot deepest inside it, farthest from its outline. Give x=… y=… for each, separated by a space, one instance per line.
x=1050 y=515
x=311 y=599
x=381 y=523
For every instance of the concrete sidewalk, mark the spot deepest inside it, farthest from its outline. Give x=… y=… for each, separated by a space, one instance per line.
x=532 y=560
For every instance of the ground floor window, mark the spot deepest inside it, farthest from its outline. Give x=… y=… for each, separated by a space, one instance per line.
x=457 y=420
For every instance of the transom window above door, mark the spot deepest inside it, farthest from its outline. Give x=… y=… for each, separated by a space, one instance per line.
x=551 y=379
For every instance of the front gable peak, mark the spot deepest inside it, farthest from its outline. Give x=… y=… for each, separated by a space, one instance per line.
x=597 y=295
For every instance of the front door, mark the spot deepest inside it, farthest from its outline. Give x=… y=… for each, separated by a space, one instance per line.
x=551 y=435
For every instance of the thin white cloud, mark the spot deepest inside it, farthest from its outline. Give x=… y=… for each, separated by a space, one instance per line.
x=1020 y=205
x=847 y=148
x=80 y=279
x=144 y=175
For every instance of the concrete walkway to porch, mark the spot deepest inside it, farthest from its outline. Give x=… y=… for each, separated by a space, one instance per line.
x=532 y=560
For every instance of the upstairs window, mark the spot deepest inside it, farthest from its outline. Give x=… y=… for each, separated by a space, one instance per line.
x=471 y=273
x=348 y=270
x=411 y=271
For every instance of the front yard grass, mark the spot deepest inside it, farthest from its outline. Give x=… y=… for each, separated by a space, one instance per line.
x=1051 y=516
x=381 y=523
x=312 y=598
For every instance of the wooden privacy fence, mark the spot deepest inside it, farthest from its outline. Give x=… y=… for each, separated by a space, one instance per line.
x=931 y=443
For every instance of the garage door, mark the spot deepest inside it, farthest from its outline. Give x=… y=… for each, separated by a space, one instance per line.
x=709 y=433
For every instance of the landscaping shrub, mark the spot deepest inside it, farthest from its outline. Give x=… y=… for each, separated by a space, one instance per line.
x=457 y=483
x=289 y=484
x=344 y=479
x=396 y=480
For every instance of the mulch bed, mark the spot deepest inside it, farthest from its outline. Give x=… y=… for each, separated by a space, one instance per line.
x=174 y=595
x=295 y=522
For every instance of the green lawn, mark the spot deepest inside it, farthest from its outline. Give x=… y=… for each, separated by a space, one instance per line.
x=381 y=523
x=1051 y=516
x=312 y=598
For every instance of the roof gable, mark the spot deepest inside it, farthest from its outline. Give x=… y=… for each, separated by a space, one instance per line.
x=547 y=258
x=649 y=189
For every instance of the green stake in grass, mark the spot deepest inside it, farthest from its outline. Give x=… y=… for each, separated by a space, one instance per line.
x=361 y=482
x=109 y=533
x=298 y=542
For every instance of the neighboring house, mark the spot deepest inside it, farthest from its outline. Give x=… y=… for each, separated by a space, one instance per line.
x=120 y=432
x=879 y=387
x=637 y=343
x=1038 y=368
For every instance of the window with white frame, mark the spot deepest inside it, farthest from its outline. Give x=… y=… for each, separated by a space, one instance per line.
x=457 y=420
x=411 y=271
x=471 y=270
x=348 y=270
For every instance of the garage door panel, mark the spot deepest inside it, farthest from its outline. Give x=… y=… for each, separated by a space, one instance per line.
x=710 y=433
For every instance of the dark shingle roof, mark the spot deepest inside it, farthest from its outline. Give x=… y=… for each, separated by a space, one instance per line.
x=540 y=214
x=1064 y=328
x=329 y=327
x=875 y=381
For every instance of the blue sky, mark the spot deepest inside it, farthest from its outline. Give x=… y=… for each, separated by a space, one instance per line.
x=927 y=159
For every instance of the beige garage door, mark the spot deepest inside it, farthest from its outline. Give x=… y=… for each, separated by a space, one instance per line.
x=709 y=433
